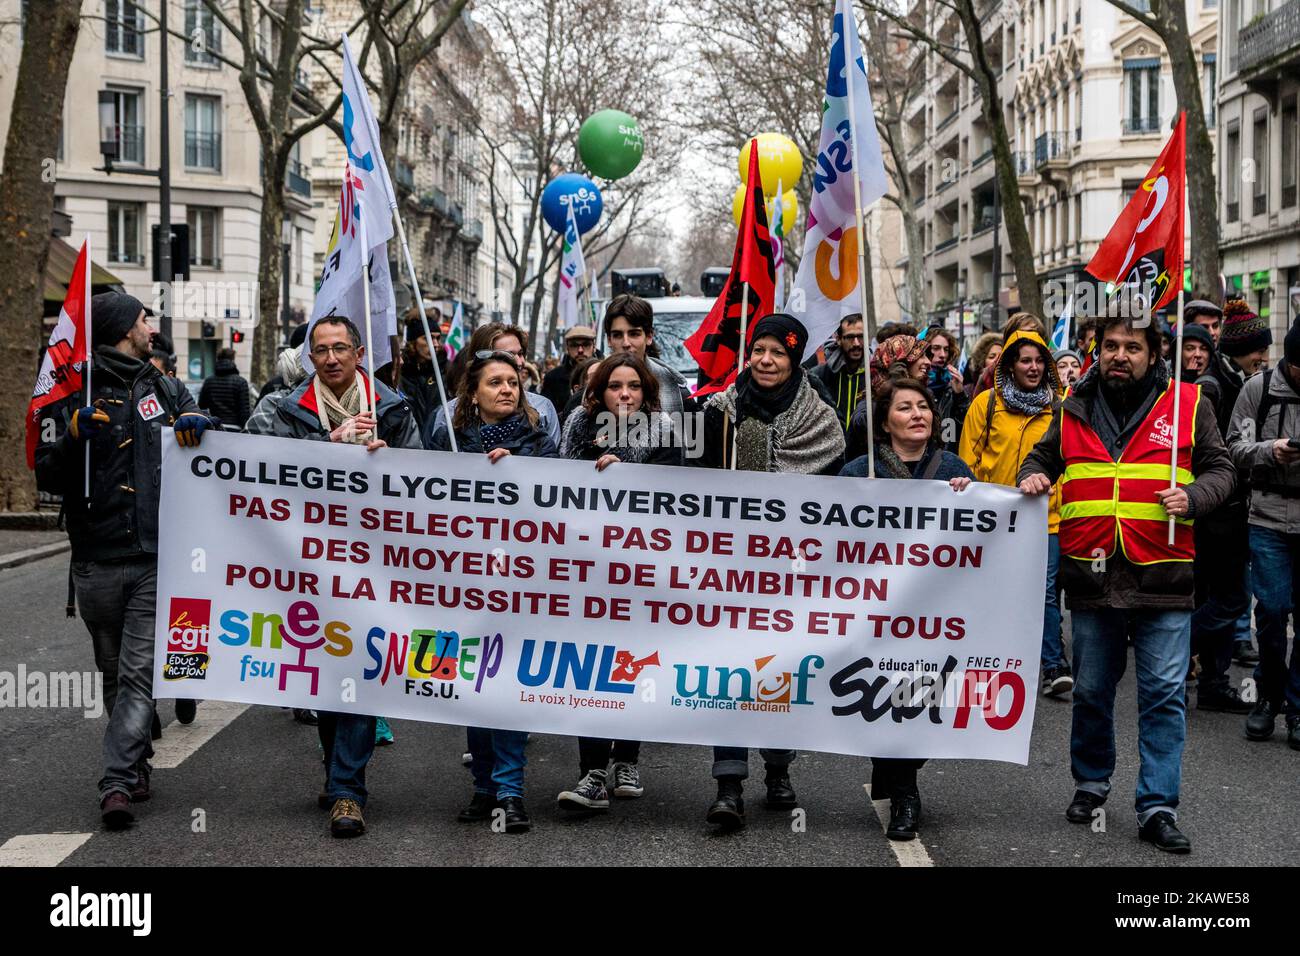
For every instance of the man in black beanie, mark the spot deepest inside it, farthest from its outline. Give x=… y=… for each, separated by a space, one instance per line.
x=1265 y=422
x=418 y=383
x=114 y=530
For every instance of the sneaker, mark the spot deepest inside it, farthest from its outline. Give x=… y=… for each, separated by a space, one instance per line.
x=185 y=710
x=115 y=811
x=627 y=781
x=383 y=733
x=1244 y=653
x=1057 y=681
x=346 y=819
x=588 y=796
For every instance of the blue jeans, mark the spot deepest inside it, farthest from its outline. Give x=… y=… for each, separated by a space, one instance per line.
x=1162 y=649
x=117 y=601
x=1053 y=653
x=348 y=742
x=498 y=761
x=1275 y=574
x=734 y=761
x=1242 y=635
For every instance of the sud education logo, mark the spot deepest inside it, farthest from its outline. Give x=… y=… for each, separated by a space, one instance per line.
x=187 y=639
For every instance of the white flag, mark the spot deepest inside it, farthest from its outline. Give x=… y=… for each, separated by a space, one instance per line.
x=572 y=270
x=778 y=249
x=366 y=192
x=826 y=286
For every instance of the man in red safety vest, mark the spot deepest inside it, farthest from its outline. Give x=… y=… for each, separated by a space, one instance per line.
x=1110 y=444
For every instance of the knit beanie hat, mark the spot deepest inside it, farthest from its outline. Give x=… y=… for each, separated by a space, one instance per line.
x=112 y=314
x=1243 y=331
x=1062 y=353
x=1198 y=333
x=786 y=329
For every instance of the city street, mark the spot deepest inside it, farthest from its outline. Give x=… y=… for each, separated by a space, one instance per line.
x=248 y=777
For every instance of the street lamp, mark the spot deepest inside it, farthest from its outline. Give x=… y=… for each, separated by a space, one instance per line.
x=286 y=244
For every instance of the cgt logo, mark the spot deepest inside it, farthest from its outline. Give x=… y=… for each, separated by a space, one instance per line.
x=739 y=688
x=187 y=639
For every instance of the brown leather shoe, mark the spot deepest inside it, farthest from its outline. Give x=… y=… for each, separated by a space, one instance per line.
x=115 y=811
x=346 y=819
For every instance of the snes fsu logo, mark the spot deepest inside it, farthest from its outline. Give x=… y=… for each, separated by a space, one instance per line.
x=187 y=639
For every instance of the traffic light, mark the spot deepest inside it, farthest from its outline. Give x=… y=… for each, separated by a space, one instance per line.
x=236 y=336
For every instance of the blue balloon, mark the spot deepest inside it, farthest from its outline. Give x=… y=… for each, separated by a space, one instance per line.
x=576 y=190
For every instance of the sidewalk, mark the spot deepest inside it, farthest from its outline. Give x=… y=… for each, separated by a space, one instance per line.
x=22 y=546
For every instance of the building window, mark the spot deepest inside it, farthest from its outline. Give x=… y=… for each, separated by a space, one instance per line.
x=205 y=236
x=127 y=130
x=1259 y=153
x=1210 y=88
x=1232 y=173
x=123 y=28
x=1143 y=80
x=204 y=35
x=124 y=246
x=1290 y=157
x=202 y=132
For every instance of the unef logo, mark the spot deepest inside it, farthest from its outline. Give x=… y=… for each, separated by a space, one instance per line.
x=739 y=688
x=187 y=639
x=1162 y=432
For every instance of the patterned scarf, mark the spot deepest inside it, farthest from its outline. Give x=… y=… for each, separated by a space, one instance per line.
x=494 y=436
x=333 y=412
x=1027 y=403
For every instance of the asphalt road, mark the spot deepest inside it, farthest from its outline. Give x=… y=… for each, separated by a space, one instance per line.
x=255 y=783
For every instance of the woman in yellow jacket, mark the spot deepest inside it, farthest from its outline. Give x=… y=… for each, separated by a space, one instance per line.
x=1002 y=426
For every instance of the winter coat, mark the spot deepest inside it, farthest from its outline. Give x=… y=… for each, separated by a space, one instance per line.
x=295 y=414
x=120 y=519
x=995 y=439
x=555 y=383
x=660 y=448
x=420 y=388
x=529 y=441
x=1274 y=488
x=225 y=395
x=947 y=467
x=547 y=418
x=845 y=386
x=1116 y=583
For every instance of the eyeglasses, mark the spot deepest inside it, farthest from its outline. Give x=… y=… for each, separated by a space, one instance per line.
x=339 y=349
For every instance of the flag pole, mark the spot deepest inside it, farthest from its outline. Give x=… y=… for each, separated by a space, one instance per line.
x=849 y=69
x=1178 y=392
x=365 y=298
x=424 y=321
x=740 y=363
x=85 y=317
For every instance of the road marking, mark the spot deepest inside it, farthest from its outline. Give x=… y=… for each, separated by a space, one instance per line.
x=907 y=852
x=182 y=740
x=40 y=849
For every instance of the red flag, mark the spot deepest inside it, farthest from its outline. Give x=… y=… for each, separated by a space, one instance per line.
x=1145 y=246
x=65 y=356
x=714 y=345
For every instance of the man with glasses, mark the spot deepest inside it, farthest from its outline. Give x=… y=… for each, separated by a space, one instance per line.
x=579 y=345
x=844 y=371
x=334 y=404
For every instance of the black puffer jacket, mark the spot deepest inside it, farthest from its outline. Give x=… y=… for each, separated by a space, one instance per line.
x=421 y=389
x=120 y=520
x=226 y=395
x=528 y=440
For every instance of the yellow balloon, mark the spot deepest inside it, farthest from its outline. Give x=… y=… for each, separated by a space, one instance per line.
x=789 y=208
x=779 y=162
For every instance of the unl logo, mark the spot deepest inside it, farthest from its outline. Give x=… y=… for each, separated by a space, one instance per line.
x=187 y=627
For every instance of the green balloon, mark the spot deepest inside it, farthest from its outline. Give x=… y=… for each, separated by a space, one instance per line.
x=609 y=143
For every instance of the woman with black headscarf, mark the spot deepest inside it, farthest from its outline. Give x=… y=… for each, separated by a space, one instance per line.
x=770 y=420
x=773 y=416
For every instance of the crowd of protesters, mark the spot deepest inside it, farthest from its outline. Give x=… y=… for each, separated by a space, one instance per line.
x=1089 y=425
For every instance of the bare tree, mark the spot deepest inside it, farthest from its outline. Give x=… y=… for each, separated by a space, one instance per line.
x=1168 y=20
x=968 y=55
x=27 y=183
x=570 y=58
x=283 y=110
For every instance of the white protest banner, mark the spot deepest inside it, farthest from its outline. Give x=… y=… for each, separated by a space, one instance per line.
x=875 y=617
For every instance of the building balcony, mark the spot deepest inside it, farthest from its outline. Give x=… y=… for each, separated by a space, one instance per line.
x=945 y=185
x=130 y=143
x=1051 y=149
x=947 y=120
x=435 y=201
x=945 y=245
x=982 y=158
x=203 y=150
x=473 y=232
x=404 y=175
x=295 y=177
x=456 y=213
x=1269 y=48
x=1136 y=125
x=1026 y=172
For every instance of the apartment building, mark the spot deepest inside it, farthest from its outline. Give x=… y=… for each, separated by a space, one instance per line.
x=1088 y=101
x=216 y=175
x=1259 y=160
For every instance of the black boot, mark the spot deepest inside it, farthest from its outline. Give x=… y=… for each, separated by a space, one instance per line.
x=904 y=815
x=480 y=808
x=1259 y=725
x=728 y=811
x=780 y=793
x=516 y=817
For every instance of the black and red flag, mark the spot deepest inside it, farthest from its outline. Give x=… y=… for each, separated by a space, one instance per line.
x=1145 y=246
x=716 y=343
